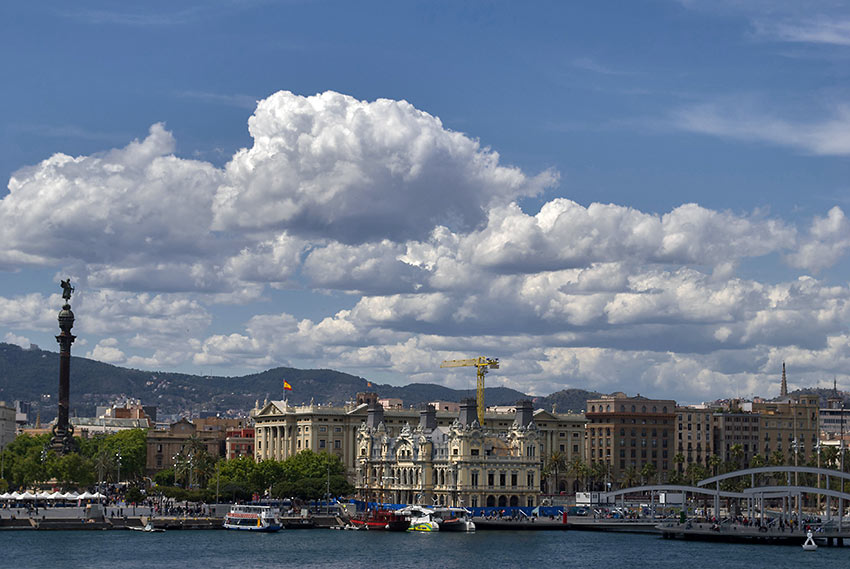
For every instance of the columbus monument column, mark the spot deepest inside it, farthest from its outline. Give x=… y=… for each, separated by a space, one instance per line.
x=62 y=441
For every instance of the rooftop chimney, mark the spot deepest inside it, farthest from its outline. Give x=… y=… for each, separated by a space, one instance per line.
x=428 y=417
x=468 y=411
x=375 y=415
x=524 y=413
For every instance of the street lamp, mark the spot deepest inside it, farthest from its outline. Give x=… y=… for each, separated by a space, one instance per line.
x=817 y=449
x=118 y=462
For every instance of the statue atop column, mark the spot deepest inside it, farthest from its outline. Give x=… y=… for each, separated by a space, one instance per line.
x=62 y=441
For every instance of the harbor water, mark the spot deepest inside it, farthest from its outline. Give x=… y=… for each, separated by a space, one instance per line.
x=361 y=549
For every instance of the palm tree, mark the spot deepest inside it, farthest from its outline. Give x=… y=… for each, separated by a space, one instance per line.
x=577 y=469
x=695 y=473
x=714 y=462
x=679 y=460
x=104 y=463
x=554 y=464
x=647 y=472
x=630 y=477
x=829 y=456
x=602 y=472
x=737 y=453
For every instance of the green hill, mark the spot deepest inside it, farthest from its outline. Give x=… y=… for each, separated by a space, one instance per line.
x=33 y=375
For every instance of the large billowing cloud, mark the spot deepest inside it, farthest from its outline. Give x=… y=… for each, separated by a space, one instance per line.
x=420 y=228
x=332 y=166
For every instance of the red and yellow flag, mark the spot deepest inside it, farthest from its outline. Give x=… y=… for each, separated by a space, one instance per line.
x=286 y=386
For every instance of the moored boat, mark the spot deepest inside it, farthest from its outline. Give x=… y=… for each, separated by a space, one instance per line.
x=421 y=519
x=454 y=519
x=252 y=518
x=382 y=520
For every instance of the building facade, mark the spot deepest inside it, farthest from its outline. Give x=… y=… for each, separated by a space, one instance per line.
x=165 y=445
x=459 y=465
x=282 y=430
x=789 y=427
x=694 y=435
x=8 y=426
x=626 y=434
x=239 y=443
x=737 y=436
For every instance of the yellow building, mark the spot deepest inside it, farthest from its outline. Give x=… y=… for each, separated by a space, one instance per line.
x=789 y=426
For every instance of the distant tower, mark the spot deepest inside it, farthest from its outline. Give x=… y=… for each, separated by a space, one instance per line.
x=783 y=392
x=62 y=441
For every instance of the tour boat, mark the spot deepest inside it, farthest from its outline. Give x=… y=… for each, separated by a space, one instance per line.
x=383 y=520
x=252 y=518
x=421 y=519
x=454 y=519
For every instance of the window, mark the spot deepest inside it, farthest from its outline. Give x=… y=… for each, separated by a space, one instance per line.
x=490 y=477
x=321 y=443
x=513 y=479
x=474 y=452
x=475 y=479
x=502 y=478
x=337 y=444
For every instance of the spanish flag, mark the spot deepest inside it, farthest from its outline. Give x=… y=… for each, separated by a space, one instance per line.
x=286 y=386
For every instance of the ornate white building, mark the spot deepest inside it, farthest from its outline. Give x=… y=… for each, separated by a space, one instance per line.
x=457 y=465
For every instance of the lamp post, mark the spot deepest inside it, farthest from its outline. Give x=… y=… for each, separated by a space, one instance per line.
x=118 y=462
x=817 y=450
x=174 y=459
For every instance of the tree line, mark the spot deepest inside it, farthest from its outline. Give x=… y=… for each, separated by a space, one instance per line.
x=27 y=462
x=594 y=476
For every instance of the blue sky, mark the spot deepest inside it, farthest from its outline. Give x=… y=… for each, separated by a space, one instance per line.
x=643 y=196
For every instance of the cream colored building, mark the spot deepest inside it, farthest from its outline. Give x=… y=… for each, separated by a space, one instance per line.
x=460 y=465
x=283 y=430
x=789 y=426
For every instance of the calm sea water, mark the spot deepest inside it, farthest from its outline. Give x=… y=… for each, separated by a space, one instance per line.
x=347 y=549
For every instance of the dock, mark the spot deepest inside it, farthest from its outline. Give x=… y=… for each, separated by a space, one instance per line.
x=736 y=533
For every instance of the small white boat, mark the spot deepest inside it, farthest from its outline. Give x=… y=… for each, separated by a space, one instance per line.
x=148 y=527
x=810 y=544
x=252 y=518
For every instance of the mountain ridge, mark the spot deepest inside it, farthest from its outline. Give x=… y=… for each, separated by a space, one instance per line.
x=32 y=375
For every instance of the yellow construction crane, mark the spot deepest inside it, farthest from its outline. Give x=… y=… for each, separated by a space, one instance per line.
x=484 y=365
